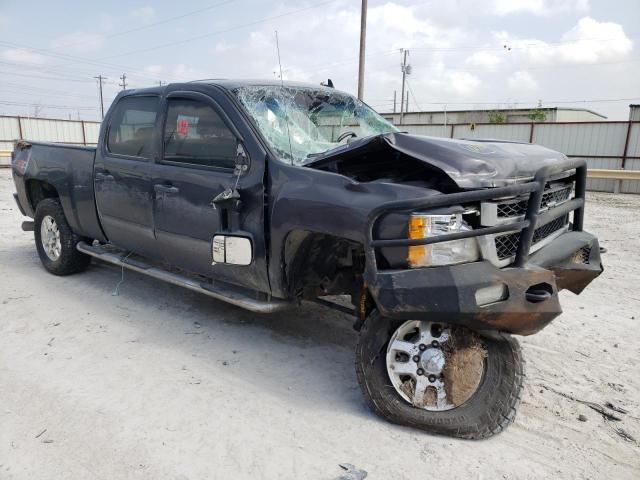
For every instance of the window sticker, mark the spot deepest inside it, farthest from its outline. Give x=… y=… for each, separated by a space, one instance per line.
x=183 y=127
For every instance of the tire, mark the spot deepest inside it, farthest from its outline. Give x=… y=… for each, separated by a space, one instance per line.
x=66 y=259
x=490 y=409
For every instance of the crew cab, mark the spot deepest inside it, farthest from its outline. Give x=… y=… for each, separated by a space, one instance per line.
x=264 y=194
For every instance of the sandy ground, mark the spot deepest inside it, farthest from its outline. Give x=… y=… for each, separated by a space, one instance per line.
x=162 y=383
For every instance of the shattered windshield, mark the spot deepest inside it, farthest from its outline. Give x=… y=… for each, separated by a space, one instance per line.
x=302 y=123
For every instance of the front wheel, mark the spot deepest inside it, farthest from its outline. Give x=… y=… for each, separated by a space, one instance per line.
x=55 y=241
x=439 y=378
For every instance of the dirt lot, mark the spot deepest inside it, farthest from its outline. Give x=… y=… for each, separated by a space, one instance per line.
x=158 y=382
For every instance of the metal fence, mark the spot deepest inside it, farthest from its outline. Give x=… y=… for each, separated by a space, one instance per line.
x=79 y=132
x=605 y=145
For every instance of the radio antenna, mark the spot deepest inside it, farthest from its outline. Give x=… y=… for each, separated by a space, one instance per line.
x=284 y=100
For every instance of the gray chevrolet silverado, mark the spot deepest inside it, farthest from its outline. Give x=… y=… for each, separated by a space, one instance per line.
x=264 y=194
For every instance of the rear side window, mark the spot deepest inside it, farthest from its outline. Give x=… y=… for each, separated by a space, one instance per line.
x=194 y=134
x=131 y=127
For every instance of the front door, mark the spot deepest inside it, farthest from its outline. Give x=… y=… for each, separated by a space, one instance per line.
x=122 y=182
x=200 y=146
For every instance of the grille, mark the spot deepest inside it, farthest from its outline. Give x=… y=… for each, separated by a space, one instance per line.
x=552 y=196
x=556 y=195
x=507 y=245
x=514 y=209
x=582 y=255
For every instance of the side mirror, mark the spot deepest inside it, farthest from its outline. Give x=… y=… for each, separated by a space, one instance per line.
x=242 y=160
x=231 y=250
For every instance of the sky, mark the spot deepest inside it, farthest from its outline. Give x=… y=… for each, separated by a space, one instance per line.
x=463 y=54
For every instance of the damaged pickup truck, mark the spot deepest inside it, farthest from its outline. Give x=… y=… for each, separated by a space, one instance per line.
x=264 y=194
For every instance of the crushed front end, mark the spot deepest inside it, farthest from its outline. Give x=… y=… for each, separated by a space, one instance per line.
x=490 y=259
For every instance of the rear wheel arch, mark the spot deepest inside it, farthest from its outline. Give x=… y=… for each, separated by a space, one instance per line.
x=55 y=240
x=38 y=190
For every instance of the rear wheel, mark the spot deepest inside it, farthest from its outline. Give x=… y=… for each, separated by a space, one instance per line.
x=55 y=241
x=439 y=378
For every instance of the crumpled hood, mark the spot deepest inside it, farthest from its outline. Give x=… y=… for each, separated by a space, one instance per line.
x=470 y=164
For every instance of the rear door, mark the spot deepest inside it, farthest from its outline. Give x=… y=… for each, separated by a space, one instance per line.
x=124 y=159
x=200 y=145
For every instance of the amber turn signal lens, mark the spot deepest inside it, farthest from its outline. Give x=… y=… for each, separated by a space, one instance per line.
x=417 y=229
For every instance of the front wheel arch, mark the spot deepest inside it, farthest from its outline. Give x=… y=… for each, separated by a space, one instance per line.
x=316 y=264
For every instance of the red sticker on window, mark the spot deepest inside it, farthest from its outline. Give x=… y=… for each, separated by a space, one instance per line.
x=183 y=127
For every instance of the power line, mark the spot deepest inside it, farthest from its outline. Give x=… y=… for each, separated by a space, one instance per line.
x=231 y=29
x=45 y=77
x=73 y=58
x=518 y=47
x=99 y=62
x=413 y=95
x=42 y=69
x=27 y=104
x=43 y=91
x=155 y=24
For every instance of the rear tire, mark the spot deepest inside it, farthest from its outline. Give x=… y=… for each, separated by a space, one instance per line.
x=55 y=241
x=490 y=409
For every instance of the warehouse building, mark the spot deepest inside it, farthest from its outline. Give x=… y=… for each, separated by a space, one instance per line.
x=502 y=115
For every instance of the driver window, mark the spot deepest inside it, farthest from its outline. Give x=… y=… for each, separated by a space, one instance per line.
x=194 y=134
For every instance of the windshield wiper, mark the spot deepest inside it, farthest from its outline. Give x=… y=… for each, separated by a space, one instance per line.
x=326 y=152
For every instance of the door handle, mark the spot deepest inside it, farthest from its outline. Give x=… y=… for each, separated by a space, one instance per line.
x=104 y=177
x=159 y=188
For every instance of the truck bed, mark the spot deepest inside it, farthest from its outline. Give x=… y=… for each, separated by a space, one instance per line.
x=68 y=169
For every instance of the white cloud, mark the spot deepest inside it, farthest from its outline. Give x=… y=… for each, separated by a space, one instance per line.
x=20 y=55
x=106 y=22
x=78 y=42
x=144 y=14
x=153 y=70
x=522 y=82
x=462 y=83
x=484 y=59
x=185 y=73
x=589 y=41
x=594 y=41
x=455 y=55
x=540 y=7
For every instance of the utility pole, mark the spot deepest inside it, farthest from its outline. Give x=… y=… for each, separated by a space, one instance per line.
x=445 y=120
x=363 y=40
x=406 y=70
x=124 y=81
x=100 y=78
x=394 y=101
x=160 y=82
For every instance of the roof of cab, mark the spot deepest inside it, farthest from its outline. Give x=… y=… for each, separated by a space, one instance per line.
x=231 y=84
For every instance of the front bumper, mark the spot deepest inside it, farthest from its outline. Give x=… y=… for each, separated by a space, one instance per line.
x=448 y=294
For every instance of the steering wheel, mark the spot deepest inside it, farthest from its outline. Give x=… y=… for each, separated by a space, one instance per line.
x=346 y=134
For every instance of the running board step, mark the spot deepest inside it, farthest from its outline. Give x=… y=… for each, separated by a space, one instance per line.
x=247 y=299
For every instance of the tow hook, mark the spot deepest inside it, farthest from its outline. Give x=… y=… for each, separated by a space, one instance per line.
x=539 y=293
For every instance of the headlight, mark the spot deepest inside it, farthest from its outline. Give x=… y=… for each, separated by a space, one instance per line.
x=442 y=253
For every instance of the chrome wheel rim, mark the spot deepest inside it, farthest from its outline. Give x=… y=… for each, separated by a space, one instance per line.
x=423 y=367
x=50 y=238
